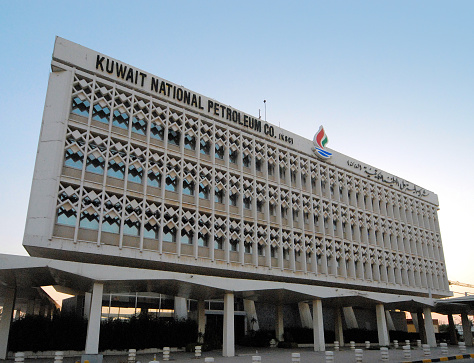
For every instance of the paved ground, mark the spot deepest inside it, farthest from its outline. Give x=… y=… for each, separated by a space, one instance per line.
x=276 y=355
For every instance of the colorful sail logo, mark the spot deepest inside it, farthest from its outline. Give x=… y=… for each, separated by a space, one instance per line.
x=320 y=140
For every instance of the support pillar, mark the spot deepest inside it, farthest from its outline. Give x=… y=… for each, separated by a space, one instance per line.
x=452 y=330
x=421 y=327
x=93 y=326
x=201 y=320
x=251 y=312
x=87 y=304
x=429 y=328
x=5 y=322
x=339 y=333
x=350 y=318
x=228 y=345
x=180 y=308
x=382 y=325
x=318 y=326
x=390 y=324
x=414 y=318
x=279 y=327
x=305 y=315
x=466 y=329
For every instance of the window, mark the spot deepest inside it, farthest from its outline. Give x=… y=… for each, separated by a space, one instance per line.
x=174 y=137
x=154 y=179
x=203 y=240
x=331 y=189
x=247 y=202
x=233 y=156
x=286 y=254
x=171 y=183
x=272 y=209
x=233 y=197
x=258 y=164
x=89 y=219
x=187 y=237
x=323 y=186
x=190 y=142
x=95 y=164
x=131 y=227
x=234 y=245
x=303 y=180
x=169 y=234
x=325 y=221
x=293 y=177
x=139 y=126
x=259 y=206
x=282 y=172
x=203 y=191
x=274 y=251
x=284 y=211
x=151 y=230
x=261 y=250
x=295 y=215
x=219 y=152
x=218 y=243
x=188 y=187
x=80 y=107
x=111 y=224
x=67 y=216
x=157 y=131
x=101 y=114
x=306 y=217
x=271 y=169
x=73 y=159
x=248 y=248
x=219 y=195
x=334 y=226
x=205 y=147
x=246 y=161
x=120 y=119
x=135 y=173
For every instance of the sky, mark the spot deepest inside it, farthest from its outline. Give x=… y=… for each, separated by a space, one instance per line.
x=391 y=81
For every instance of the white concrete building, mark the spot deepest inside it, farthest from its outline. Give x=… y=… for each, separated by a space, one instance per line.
x=138 y=172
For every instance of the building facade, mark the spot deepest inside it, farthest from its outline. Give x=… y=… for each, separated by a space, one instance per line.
x=133 y=170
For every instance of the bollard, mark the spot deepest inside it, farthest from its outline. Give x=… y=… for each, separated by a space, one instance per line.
x=406 y=352
x=256 y=359
x=154 y=359
x=384 y=354
x=352 y=344
x=19 y=357
x=166 y=353
x=209 y=360
x=407 y=342
x=462 y=347
x=359 y=355
x=367 y=344
x=444 y=348
x=329 y=357
x=58 y=357
x=395 y=344
x=197 y=351
x=295 y=357
x=418 y=343
x=132 y=354
x=336 y=345
x=426 y=350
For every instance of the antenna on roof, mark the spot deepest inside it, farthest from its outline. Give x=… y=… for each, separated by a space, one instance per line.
x=265 y=103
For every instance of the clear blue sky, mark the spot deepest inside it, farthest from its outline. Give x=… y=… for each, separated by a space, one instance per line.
x=391 y=81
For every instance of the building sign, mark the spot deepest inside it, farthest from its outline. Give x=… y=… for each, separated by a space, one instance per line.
x=320 y=140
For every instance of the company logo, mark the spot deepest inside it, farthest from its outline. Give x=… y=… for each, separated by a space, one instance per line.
x=320 y=140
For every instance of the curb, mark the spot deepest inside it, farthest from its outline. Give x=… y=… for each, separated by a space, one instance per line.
x=442 y=359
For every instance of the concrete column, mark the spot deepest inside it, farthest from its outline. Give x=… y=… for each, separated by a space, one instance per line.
x=180 y=308
x=228 y=345
x=429 y=328
x=318 y=326
x=93 y=326
x=279 y=327
x=339 y=333
x=350 y=318
x=87 y=304
x=249 y=307
x=390 y=324
x=7 y=315
x=201 y=320
x=384 y=339
x=452 y=330
x=305 y=315
x=421 y=327
x=466 y=329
